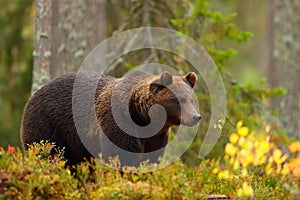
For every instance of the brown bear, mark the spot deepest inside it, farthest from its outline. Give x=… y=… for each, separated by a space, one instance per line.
x=50 y=115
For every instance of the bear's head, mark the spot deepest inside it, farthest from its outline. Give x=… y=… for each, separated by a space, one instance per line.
x=175 y=94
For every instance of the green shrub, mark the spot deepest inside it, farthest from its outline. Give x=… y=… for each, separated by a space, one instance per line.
x=39 y=175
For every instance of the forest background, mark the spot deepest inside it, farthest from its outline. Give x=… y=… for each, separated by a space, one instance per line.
x=241 y=36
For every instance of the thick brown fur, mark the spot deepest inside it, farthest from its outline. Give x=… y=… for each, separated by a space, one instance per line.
x=48 y=114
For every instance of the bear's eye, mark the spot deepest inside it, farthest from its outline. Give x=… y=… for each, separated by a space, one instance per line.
x=181 y=100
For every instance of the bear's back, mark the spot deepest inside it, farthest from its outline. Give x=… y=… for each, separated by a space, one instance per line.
x=49 y=116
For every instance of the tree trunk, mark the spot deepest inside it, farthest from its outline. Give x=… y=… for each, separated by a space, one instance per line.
x=66 y=31
x=78 y=27
x=284 y=60
x=42 y=43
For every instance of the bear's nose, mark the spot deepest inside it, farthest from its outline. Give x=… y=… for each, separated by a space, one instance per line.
x=196 y=117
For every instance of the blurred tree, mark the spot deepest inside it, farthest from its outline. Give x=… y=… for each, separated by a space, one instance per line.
x=42 y=43
x=16 y=33
x=284 y=61
x=66 y=31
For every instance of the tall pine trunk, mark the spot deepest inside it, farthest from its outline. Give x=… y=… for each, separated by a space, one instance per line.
x=284 y=60
x=66 y=31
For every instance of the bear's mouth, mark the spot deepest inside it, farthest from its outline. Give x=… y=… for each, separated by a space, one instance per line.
x=191 y=122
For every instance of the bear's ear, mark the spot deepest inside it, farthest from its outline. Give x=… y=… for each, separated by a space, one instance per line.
x=191 y=78
x=163 y=81
x=166 y=79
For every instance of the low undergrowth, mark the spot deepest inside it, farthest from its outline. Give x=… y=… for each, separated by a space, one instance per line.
x=253 y=168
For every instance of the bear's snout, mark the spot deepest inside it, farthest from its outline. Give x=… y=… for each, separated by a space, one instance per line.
x=190 y=118
x=196 y=118
x=193 y=120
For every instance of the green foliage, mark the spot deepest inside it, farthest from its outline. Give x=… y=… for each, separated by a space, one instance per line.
x=16 y=44
x=249 y=102
x=210 y=28
x=38 y=175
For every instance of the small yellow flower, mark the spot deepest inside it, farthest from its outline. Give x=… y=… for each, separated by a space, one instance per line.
x=226 y=157
x=242 y=142
x=248 y=191
x=215 y=170
x=223 y=174
x=230 y=149
x=243 y=131
x=270 y=161
x=231 y=161
x=259 y=160
x=249 y=145
x=245 y=191
x=243 y=153
x=244 y=172
x=269 y=168
x=233 y=138
x=278 y=158
x=283 y=158
x=276 y=154
x=239 y=124
x=263 y=147
x=247 y=159
x=236 y=165
x=285 y=170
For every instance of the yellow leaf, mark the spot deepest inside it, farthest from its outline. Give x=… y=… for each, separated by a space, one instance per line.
x=283 y=158
x=249 y=145
x=242 y=142
x=268 y=168
x=215 y=170
x=264 y=146
x=236 y=165
x=239 y=124
x=223 y=174
x=294 y=147
x=285 y=170
x=226 y=157
x=245 y=191
x=247 y=159
x=230 y=149
x=244 y=172
x=243 y=131
x=276 y=156
x=233 y=138
x=248 y=191
x=261 y=160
